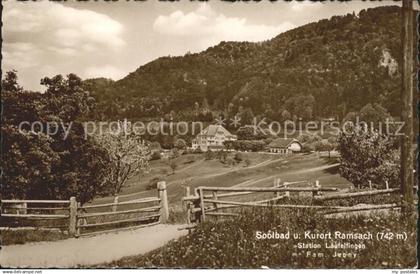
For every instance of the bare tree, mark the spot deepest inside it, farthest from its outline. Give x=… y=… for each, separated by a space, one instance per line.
x=129 y=156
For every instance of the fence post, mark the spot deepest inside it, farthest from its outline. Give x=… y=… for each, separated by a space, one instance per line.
x=317 y=186
x=72 y=216
x=286 y=193
x=187 y=191
x=187 y=194
x=163 y=196
x=203 y=214
x=215 y=198
x=79 y=221
x=115 y=204
x=277 y=185
x=370 y=184
x=386 y=184
x=25 y=208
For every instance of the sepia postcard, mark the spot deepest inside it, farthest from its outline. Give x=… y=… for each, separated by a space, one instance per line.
x=219 y=134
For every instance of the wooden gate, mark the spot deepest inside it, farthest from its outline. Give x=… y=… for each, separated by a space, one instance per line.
x=69 y=215
x=115 y=216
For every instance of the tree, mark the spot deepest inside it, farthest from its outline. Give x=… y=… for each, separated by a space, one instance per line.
x=247 y=162
x=371 y=115
x=155 y=146
x=173 y=166
x=247 y=116
x=128 y=155
x=180 y=144
x=222 y=155
x=230 y=162
x=238 y=157
x=368 y=155
x=49 y=165
x=285 y=115
x=153 y=183
x=155 y=156
x=250 y=133
x=326 y=145
x=209 y=155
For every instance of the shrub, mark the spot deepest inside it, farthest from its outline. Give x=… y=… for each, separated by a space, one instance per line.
x=189 y=159
x=197 y=151
x=367 y=155
x=246 y=145
x=180 y=144
x=173 y=165
x=209 y=155
x=238 y=157
x=155 y=156
x=230 y=161
x=153 y=183
x=222 y=155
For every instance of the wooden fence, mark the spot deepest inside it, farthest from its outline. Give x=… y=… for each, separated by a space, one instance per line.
x=80 y=219
x=209 y=201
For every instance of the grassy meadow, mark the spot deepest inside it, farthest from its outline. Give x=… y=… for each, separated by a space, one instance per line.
x=233 y=243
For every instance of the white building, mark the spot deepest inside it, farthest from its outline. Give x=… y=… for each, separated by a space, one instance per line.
x=285 y=146
x=212 y=138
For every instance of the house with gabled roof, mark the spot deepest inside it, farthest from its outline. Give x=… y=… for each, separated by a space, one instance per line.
x=212 y=138
x=285 y=146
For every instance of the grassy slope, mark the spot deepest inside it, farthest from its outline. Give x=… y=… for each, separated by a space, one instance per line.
x=232 y=243
x=213 y=173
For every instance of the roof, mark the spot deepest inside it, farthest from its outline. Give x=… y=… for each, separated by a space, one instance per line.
x=282 y=143
x=215 y=146
x=211 y=130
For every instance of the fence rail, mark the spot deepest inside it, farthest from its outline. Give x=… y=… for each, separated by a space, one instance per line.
x=357 y=194
x=35 y=201
x=142 y=201
x=77 y=216
x=32 y=216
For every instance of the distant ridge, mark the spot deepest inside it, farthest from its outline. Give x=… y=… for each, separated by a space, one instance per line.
x=323 y=69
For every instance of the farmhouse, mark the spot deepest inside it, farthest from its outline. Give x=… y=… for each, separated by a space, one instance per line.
x=212 y=138
x=285 y=146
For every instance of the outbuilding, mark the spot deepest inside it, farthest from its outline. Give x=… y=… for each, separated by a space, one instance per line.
x=285 y=146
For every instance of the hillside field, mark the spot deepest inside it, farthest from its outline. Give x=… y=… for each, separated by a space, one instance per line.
x=194 y=171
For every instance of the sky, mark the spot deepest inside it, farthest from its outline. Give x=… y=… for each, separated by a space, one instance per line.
x=112 y=39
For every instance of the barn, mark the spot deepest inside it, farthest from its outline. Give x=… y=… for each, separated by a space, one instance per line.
x=285 y=146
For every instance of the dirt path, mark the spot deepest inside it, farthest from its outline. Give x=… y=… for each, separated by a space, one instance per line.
x=89 y=250
x=253 y=182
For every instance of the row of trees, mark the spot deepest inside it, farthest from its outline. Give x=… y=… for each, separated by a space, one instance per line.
x=37 y=164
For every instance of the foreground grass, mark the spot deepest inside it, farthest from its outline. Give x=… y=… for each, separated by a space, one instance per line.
x=9 y=237
x=233 y=244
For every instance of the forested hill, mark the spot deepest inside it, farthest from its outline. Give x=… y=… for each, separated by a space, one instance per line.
x=322 y=69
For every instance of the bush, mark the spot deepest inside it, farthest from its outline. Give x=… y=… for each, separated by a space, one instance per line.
x=222 y=156
x=238 y=157
x=173 y=165
x=189 y=159
x=197 y=151
x=155 y=156
x=209 y=155
x=153 y=183
x=230 y=161
x=180 y=144
x=246 y=145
